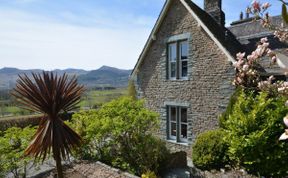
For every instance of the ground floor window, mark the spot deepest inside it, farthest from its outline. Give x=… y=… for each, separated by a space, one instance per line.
x=177 y=123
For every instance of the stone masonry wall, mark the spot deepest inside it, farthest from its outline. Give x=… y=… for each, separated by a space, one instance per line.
x=208 y=88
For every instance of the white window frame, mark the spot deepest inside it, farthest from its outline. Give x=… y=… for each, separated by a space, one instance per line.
x=179 y=123
x=172 y=137
x=170 y=61
x=183 y=123
x=185 y=60
x=179 y=61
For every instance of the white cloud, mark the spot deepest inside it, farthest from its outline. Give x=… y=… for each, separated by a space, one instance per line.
x=31 y=41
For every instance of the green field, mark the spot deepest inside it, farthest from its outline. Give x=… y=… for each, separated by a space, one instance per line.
x=10 y=110
x=91 y=99
x=95 y=98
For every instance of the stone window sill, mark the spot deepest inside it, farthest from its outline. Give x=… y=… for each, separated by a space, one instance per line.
x=178 y=143
x=177 y=80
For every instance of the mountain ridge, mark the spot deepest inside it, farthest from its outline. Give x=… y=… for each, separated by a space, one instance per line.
x=104 y=76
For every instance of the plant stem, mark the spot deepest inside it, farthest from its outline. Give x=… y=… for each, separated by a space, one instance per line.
x=57 y=159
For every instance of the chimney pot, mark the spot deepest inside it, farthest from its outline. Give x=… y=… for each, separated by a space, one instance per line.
x=248 y=11
x=241 y=15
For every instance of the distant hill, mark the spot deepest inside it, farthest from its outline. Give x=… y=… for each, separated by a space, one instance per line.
x=104 y=76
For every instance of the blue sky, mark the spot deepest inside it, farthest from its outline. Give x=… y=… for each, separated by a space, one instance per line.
x=87 y=34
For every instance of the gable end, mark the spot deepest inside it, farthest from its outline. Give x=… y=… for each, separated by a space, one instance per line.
x=188 y=4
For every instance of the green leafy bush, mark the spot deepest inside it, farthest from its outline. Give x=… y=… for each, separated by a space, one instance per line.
x=253 y=127
x=209 y=150
x=13 y=142
x=120 y=134
x=233 y=99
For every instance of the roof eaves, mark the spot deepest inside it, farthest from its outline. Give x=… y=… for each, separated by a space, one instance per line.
x=258 y=35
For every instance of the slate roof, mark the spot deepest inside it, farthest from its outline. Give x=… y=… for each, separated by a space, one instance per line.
x=241 y=36
x=249 y=32
x=250 y=28
x=227 y=39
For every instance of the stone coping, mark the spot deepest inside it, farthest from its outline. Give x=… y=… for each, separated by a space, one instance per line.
x=89 y=170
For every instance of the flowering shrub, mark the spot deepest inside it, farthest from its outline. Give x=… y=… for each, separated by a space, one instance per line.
x=284 y=136
x=251 y=131
x=247 y=68
x=253 y=120
x=247 y=75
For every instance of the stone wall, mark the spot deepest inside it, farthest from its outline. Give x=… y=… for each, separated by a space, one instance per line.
x=85 y=169
x=208 y=87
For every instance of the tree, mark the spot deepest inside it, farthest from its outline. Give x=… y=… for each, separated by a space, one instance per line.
x=51 y=95
x=246 y=67
x=131 y=89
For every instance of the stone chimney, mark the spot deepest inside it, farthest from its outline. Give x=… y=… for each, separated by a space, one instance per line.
x=214 y=8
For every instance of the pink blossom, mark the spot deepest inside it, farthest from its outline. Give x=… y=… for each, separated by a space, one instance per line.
x=270 y=52
x=250 y=57
x=265 y=45
x=256 y=6
x=285 y=120
x=274 y=59
x=239 y=80
x=266 y=5
x=238 y=64
x=259 y=52
x=264 y=40
x=240 y=56
x=284 y=136
x=254 y=55
x=245 y=67
x=271 y=78
x=286 y=103
x=260 y=84
x=281 y=89
x=242 y=75
x=285 y=84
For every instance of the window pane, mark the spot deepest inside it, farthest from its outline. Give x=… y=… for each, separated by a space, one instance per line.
x=173 y=129
x=172 y=52
x=184 y=68
x=173 y=69
x=184 y=131
x=184 y=50
x=173 y=114
x=184 y=115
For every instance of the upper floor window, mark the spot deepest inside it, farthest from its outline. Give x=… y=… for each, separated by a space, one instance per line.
x=178 y=60
x=172 y=55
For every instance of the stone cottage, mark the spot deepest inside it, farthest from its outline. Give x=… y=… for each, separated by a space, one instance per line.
x=185 y=70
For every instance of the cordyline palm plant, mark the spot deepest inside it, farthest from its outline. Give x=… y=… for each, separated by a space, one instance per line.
x=51 y=95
